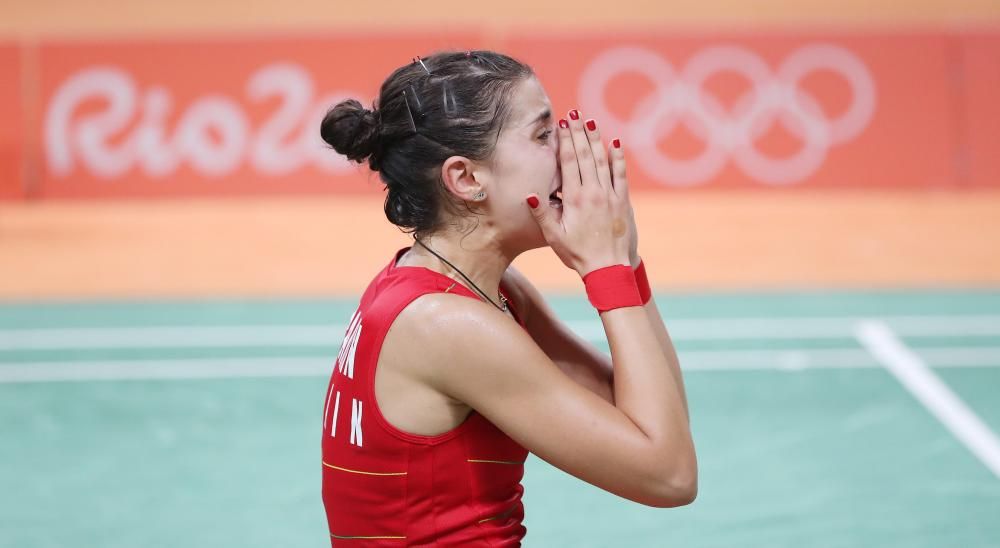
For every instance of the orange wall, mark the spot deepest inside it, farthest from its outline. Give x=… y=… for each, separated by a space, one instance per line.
x=131 y=17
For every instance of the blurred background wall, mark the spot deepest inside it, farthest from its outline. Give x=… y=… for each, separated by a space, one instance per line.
x=124 y=17
x=156 y=149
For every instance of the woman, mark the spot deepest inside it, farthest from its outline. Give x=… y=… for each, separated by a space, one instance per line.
x=453 y=366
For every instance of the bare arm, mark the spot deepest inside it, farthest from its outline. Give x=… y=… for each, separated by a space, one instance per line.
x=667 y=347
x=579 y=359
x=640 y=449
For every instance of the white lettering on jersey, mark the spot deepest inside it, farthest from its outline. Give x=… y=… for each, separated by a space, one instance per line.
x=347 y=336
x=336 y=411
x=326 y=410
x=345 y=359
x=356 y=422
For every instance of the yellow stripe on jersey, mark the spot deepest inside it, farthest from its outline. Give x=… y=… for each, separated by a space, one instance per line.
x=342 y=537
x=328 y=465
x=497 y=461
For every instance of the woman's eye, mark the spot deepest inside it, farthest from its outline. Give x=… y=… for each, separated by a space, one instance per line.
x=545 y=135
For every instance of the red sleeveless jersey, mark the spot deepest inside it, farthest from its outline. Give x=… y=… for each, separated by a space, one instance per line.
x=386 y=487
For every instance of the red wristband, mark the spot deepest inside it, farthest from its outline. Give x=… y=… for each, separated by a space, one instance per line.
x=612 y=287
x=645 y=293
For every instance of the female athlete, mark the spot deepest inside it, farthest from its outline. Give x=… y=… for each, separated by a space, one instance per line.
x=454 y=367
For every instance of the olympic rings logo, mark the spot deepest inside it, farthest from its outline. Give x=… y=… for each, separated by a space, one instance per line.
x=774 y=97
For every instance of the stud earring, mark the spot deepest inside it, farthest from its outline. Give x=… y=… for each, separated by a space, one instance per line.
x=479 y=196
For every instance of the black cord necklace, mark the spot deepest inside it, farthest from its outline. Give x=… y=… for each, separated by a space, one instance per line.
x=503 y=300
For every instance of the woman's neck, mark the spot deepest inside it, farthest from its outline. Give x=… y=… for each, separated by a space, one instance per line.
x=478 y=255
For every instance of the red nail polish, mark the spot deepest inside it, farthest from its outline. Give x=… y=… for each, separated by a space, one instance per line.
x=563 y=124
x=574 y=114
x=533 y=201
x=616 y=143
x=591 y=125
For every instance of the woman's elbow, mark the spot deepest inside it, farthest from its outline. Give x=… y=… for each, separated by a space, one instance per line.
x=669 y=477
x=677 y=493
x=679 y=488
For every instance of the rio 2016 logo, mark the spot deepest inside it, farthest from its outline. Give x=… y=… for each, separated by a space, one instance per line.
x=213 y=136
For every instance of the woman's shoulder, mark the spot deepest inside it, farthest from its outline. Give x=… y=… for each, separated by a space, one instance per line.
x=432 y=308
x=423 y=300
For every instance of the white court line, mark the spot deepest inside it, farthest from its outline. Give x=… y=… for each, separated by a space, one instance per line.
x=164 y=369
x=934 y=394
x=815 y=327
x=828 y=358
x=190 y=336
x=694 y=360
x=330 y=335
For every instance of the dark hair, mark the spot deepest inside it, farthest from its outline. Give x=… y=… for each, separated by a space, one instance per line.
x=448 y=104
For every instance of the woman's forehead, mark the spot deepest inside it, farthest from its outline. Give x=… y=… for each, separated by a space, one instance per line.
x=529 y=102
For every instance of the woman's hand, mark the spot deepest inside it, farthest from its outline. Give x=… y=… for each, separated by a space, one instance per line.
x=597 y=227
x=633 y=230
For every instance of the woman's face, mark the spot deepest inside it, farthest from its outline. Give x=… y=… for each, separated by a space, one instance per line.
x=525 y=161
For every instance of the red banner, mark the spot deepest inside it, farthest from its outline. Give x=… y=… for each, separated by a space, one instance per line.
x=13 y=125
x=241 y=116
x=980 y=118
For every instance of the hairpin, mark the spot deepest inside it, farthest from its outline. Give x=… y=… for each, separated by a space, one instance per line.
x=448 y=98
x=413 y=122
x=417 y=59
x=416 y=99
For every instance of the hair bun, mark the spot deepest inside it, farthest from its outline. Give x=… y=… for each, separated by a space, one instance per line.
x=351 y=130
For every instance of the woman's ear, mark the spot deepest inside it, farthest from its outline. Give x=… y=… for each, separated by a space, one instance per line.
x=457 y=172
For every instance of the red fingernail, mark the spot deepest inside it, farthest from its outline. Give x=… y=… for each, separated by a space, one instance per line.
x=616 y=143
x=533 y=201
x=591 y=125
x=563 y=124
x=574 y=114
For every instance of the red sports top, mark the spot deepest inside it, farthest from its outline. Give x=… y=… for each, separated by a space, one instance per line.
x=386 y=487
